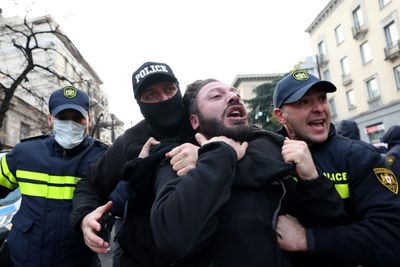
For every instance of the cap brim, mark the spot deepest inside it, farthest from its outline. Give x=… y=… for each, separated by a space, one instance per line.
x=325 y=85
x=154 y=78
x=60 y=108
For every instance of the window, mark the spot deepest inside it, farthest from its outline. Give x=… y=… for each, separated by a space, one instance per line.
x=365 y=53
x=339 y=34
x=372 y=87
x=391 y=34
x=358 y=18
x=351 y=99
x=24 y=130
x=383 y=3
x=397 y=76
x=326 y=75
x=321 y=49
x=332 y=107
x=344 y=63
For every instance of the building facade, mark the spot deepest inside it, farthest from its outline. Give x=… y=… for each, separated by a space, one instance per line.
x=27 y=115
x=245 y=83
x=356 y=43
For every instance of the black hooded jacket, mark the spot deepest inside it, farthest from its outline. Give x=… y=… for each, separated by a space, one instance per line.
x=349 y=129
x=223 y=212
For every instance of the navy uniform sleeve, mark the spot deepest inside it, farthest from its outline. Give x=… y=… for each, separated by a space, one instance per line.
x=373 y=238
x=316 y=203
x=184 y=213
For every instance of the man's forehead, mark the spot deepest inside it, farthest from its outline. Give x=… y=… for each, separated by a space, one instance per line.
x=215 y=86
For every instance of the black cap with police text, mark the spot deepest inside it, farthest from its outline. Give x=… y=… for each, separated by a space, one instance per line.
x=294 y=86
x=149 y=73
x=69 y=97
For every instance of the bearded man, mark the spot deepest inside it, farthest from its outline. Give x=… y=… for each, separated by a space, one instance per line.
x=223 y=212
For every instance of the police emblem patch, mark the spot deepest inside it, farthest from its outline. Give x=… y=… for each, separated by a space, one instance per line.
x=70 y=91
x=301 y=75
x=387 y=178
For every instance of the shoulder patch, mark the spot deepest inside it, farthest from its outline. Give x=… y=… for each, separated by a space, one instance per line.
x=387 y=178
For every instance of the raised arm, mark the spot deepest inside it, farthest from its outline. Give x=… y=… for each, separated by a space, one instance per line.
x=184 y=213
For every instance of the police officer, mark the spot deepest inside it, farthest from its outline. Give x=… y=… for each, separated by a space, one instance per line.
x=369 y=232
x=392 y=139
x=156 y=90
x=46 y=169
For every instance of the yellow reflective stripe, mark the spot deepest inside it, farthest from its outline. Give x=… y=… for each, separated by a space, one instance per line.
x=44 y=177
x=7 y=179
x=47 y=191
x=50 y=186
x=343 y=190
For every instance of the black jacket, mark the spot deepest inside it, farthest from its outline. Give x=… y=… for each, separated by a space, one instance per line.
x=369 y=232
x=349 y=129
x=222 y=211
x=104 y=176
x=92 y=192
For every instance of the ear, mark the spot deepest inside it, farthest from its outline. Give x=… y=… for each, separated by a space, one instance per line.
x=89 y=120
x=194 y=121
x=278 y=113
x=49 y=120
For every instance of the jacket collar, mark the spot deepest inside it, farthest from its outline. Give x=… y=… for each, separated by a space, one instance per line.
x=59 y=150
x=332 y=131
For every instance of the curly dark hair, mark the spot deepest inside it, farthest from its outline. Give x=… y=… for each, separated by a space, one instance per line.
x=188 y=100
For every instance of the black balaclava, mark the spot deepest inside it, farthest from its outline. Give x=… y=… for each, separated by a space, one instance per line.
x=165 y=119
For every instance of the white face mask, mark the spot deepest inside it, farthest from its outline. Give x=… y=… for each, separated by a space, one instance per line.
x=68 y=134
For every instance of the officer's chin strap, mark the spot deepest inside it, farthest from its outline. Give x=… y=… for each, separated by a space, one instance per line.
x=276 y=213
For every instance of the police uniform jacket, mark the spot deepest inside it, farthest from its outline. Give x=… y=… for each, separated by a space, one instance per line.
x=46 y=175
x=223 y=211
x=369 y=231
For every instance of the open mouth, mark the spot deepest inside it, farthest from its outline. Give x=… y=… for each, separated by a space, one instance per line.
x=317 y=123
x=236 y=112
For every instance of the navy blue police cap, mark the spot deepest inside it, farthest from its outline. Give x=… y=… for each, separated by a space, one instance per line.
x=149 y=73
x=69 y=97
x=294 y=86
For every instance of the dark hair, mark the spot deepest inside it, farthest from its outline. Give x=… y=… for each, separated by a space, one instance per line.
x=188 y=101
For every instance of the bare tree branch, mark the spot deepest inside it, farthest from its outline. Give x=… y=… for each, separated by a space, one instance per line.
x=26 y=42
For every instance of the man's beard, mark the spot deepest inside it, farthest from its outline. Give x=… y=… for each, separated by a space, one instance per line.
x=213 y=127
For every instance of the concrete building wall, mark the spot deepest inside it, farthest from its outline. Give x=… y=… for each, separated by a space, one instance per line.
x=63 y=58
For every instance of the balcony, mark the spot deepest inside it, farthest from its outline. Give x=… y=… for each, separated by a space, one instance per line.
x=346 y=79
x=322 y=61
x=392 y=52
x=359 y=31
x=374 y=102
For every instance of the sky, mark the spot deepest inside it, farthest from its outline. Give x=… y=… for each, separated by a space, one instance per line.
x=197 y=39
